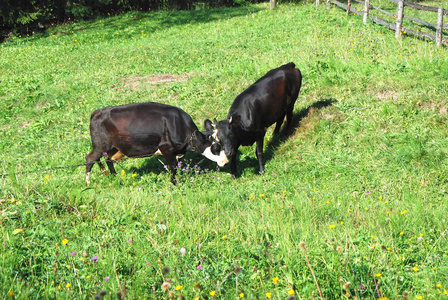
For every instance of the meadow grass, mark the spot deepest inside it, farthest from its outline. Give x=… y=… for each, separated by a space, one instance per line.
x=361 y=179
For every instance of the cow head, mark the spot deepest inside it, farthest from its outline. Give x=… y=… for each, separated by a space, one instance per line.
x=210 y=149
x=222 y=132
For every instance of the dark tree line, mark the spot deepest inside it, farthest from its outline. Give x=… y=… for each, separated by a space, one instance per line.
x=15 y=15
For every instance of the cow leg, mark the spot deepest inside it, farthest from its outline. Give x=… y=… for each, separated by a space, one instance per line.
x=110 y=165
x=279 y=124
x=113 y=155
x=259 y=153
x=91 y=158
x=233 y=164
x=172 y=163
x=289 y=111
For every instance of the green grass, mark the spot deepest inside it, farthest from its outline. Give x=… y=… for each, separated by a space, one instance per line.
x=362 y=179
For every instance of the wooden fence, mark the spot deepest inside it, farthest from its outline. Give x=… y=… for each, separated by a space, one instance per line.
x=399 y=15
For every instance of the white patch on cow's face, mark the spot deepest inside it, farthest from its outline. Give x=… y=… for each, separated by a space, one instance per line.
x=215 y=135
x=220 y=159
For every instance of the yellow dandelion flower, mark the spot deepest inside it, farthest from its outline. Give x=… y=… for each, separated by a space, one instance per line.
x=242 y=295
x=419 y=297
x=64 y=242
x=68 y=285
x=401 y=233
x=59 y=287
x=262 y=195
x=378 y=275
x=445 y=292
x=179 y=287
x=331 y=226
x=10 y=294
x=415 y=269
x=291 y=292
x=133 y=175
x=275 y=280
x=269 y=295
x=212 y=293
x=438 y=285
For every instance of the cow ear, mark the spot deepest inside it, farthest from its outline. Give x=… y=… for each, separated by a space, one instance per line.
x=208 y=125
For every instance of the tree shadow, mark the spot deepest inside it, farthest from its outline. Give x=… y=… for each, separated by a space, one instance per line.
x=277 y=140
x=133 y=23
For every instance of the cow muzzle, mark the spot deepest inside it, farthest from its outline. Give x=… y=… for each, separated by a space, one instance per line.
x=220 y=159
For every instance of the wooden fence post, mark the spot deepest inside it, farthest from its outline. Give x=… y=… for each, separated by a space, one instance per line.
x=349 y=4
x=399 y=19
x=439 y=26
x=272 y=4
x=366 y=11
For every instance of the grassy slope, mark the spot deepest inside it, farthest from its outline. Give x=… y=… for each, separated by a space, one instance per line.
x=362 y=181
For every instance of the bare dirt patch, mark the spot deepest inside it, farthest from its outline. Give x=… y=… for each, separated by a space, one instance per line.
x=135 y=82
x=427 y=105
x=387 y=95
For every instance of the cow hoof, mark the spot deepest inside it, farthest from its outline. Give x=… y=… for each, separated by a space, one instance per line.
x=262 y=172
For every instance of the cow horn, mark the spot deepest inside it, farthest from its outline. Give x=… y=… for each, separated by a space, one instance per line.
x=230 y=120
x=214 y=121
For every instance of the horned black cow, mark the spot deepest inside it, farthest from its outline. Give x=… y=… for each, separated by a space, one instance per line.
x=145 y=129
x=262 y=104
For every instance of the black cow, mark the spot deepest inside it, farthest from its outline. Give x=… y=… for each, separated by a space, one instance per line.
x=262 y=104
x=145 y=129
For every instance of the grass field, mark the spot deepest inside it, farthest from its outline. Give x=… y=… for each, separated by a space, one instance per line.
x=361 y=181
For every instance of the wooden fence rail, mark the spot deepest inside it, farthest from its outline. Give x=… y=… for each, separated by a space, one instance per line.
x=399 y=15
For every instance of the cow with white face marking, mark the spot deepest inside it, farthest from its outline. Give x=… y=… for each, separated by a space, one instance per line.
x=146 y=129
x=262 y=104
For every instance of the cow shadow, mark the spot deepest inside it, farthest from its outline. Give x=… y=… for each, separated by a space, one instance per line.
x=277 y=140
x=156 y=164
x=190 y=162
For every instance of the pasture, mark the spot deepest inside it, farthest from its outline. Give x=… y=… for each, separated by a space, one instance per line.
x=361 y=181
